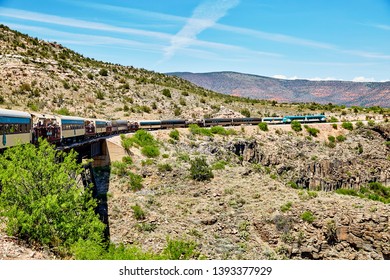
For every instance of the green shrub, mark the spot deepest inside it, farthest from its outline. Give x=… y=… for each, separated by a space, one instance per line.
x=371 y=123
x=308 y=216
x=312 y=131
x=245 y=112
x=359 y=124
x=333 y=119
x=331 y=139
x=41 y=201
x=286 y=207
x=200 y=170
x=196 y=130
x=174 y=134
x=138 y=213
x=135 y=181
x=347 y=125
x=166 y=92
x=341 y=138
x=119 y=168
x=334 y=125
x=219 y=165
x=166 y=167
x=296 y=126
x=150 y=151
x=180 y=250
x=103 y=72
x=128 y=160
x=263 y=126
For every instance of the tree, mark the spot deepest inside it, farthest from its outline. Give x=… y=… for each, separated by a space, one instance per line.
x=40 y=198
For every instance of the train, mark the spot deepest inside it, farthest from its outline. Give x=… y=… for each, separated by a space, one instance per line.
x=18 y=127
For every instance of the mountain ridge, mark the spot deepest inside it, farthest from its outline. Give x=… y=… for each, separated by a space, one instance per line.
x=290 y=91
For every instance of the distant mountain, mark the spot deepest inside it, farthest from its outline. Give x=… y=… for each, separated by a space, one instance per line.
x=260 y=87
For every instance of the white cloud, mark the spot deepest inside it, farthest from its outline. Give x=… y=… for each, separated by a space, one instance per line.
x=204 y=16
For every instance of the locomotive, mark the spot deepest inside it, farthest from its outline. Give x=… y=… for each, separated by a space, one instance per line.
x=17 y=127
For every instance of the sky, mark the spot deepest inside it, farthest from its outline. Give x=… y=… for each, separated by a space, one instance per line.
x=291 y=39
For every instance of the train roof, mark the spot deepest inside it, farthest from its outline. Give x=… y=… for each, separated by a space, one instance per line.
x=14 y=114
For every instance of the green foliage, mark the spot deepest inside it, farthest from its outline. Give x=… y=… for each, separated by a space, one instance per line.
x=174 y=134
x=347 y=125
x=333 y=119
x=286 y=207
x=263 y=126
x=150 y=151
x=41 y=201
x=312 y=131
x=331 y=138
x=219 y=165
x=135 y=181
x=371 y=123
x=200 y=170
x=103 y=72
x=197 y=130
x=296 y=126
x=180 y=250
x=100 y=95
x=222 y=131
x=166 y=167
x=359 y=124
x=308 y=216
x=334 y=125
x=374 y=191
x=341 y=138
x=63 y=111
x=166 y=92
x=138 y=213
x=119 y=168
x=245 y=112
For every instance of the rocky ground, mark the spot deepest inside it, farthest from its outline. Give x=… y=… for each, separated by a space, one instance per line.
x=248 y=210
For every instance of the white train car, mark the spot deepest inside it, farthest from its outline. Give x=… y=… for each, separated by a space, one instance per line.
x=72 y=128
x=15 y=128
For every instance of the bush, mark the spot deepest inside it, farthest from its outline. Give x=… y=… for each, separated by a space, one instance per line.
x=138 y=213
x=312 y=131
x=200 y=170
x=263 y=126
x=135 y=181
x=166 y=167
x=308 y=216
x=245 y=112
x=103 y=72
x=180 y=250
x=341 y=138
x=334 y=125
x=166 y=92
x=219 y=165
x=296 y=126
x=41 y=200
x=359 y=124
x=150 y=151
x=347 y=125
x=174 y=134
x=286 y=207
x=331 y=139
x=195 y=129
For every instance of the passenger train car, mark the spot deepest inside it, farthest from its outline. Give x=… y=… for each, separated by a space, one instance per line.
x=17 y=127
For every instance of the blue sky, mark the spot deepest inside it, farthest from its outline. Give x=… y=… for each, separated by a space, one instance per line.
x=311 y=39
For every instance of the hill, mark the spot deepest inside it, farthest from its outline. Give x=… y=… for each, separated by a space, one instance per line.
x=259 y=87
